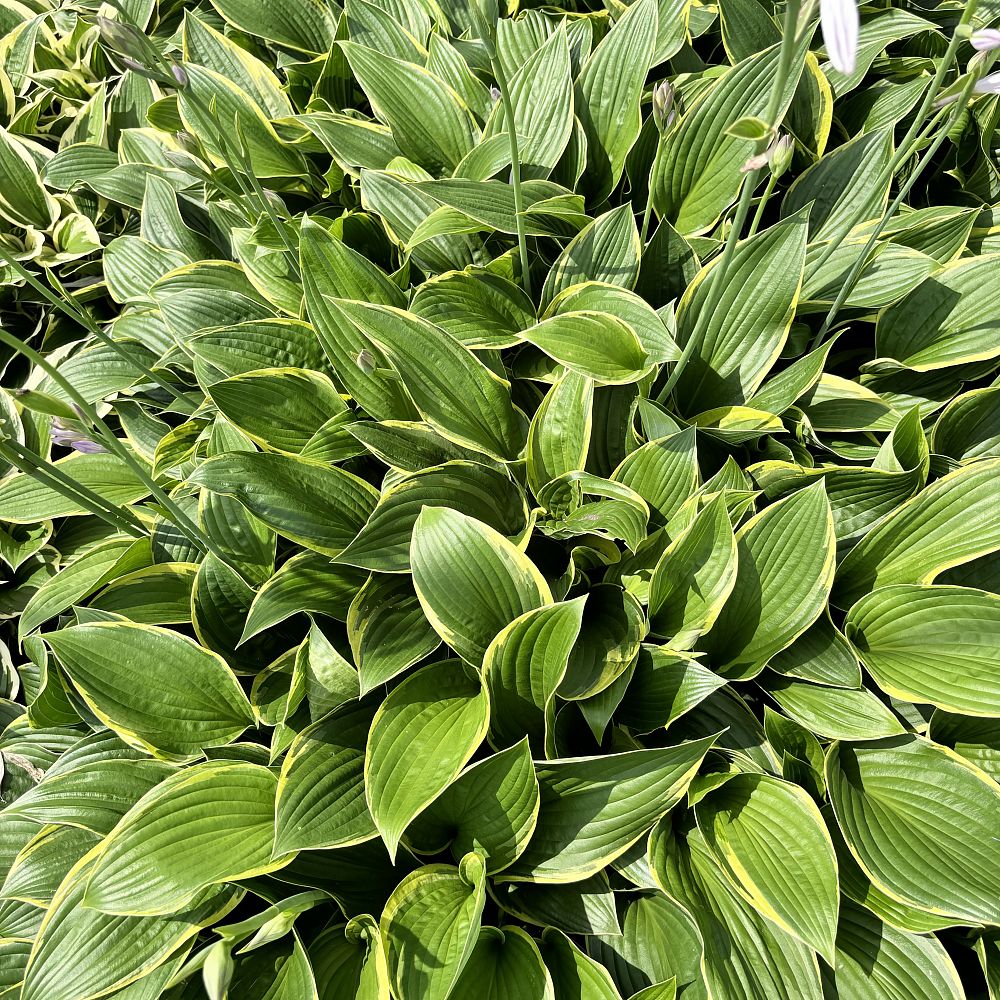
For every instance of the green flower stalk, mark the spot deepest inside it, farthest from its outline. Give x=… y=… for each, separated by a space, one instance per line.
x=788 y=42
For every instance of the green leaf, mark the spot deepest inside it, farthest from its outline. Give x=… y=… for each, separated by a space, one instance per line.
x=593 y=809
x=749 y=127
x=659 y=940
x=220 y=112
x=607 y=94
x=606 y=250
x=44 y=861
x=153 y=595
x=478 y=491
x=208 y=47
x=613 y=627
x=387 y=630
x=821 y=655
x=844 y=186
x=770 y=840
x=471 y=581
x=876 y=960
x=24 y=201
x=422 y=736
x=321 y=791
x=524 y=666
x=82 y=952
x=655 y=331
x=663 y=687
x=78 y=580
x=25 y=500
x=664 y=472
x=279 y=408
x=749 y=323
x=967 y=428
x=593 y=344
x=349 y=960
x=931 y=644
x=920 y=821
x=504 y=965
x=541 y=94
x=559 y=435
x=307 y=582
x=318 y=506
x=157 y=689
x=454 y=391
x=479 y=310
x=573 y=973
x=93 y=795
x=429 y=121
x=309 y=27
x=944 y=321
x=257 y=344
x=694 y=577
x=437 y=904
x=833 y=712
x=951 y=522
x=155 y=860
x=746 y=956
x=785 y=564
x=698 y=174
x=491 y=807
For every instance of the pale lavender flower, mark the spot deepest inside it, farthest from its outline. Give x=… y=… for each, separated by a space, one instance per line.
x=69 y=437
x=494 y=94
x=840 y=24
x=986 y=39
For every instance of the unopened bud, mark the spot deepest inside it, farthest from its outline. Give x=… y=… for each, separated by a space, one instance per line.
x=217 y=972
x=179 y=75
x=781 y=155
x=664 y=113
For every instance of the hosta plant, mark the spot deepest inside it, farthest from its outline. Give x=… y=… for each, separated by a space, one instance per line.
x=499 y=503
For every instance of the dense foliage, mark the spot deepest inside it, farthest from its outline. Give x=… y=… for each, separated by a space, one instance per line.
x=499 y=505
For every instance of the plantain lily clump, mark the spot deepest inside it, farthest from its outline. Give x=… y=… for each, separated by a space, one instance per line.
x=499 y=503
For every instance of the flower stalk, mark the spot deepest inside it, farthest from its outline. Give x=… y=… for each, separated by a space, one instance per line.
x=750 y=180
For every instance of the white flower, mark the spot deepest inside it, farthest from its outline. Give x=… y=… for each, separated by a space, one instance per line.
x=988 y=85
x=840 y=23
x=986 y=39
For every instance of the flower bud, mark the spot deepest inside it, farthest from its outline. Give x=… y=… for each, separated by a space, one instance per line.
x=781 y=155
x=132 y=48
x=664 y=113
x=67 y=436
